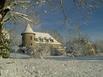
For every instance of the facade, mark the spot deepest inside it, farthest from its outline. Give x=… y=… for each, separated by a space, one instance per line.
x=31 y=38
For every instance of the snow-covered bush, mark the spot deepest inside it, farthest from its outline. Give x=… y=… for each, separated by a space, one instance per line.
x=80 y=47
x=40 y=51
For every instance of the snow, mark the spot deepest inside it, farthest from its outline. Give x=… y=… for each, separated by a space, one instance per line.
x=47 y=36
x=66 y=58
x=28 y=29
x=60 y=58
x=50 y=68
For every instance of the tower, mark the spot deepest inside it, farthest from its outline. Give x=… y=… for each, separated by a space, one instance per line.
x=28 y=37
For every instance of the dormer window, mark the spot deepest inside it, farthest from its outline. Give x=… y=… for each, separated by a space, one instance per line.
x=40 y=39
x=51 y=40
x=35 y=39
x=46 y=40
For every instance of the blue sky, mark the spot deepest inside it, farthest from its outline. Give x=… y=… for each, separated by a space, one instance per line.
x=93 y=27
x=53 y=20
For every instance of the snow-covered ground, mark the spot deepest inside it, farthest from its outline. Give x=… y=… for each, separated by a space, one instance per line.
x=67 y=58
x=62 y=58
x=19 y=56
x=50 y=68
x=20 y=65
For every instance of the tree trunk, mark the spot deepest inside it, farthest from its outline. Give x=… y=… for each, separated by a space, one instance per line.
x=0 y=28
x=2 y=3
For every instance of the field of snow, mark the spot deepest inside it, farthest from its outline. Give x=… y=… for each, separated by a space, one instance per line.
x=61 y=58
x=50 y=68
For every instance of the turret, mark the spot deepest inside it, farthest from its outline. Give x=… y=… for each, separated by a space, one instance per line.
x=28 y=37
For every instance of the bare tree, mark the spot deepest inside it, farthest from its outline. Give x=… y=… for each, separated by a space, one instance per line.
x=81 y=46
x=15 y=38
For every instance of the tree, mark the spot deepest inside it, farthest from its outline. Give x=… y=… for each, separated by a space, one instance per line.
x=6 y=12
x=81 y=46
x=99 y=46
x=15 y=38
x=4 y=44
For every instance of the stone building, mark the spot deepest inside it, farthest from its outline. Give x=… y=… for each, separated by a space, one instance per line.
x=31 y=38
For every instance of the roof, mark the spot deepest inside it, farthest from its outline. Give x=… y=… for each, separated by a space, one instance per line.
x=28 y=29
x=45 y=36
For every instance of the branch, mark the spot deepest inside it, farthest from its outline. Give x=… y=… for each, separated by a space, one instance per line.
x=24 y=16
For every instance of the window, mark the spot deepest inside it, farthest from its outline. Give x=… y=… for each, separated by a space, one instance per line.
x=31 y=44
x=30 y=37
x=35 y=39
x=51 y=40
x=46 y=40
x=40 y=39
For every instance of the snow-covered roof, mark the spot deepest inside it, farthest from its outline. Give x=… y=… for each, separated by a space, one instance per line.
x=28 y=29
x=45 y=36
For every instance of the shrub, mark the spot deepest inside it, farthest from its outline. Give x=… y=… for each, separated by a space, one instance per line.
x=4 y=45
x=80 y=47
x=40 y=51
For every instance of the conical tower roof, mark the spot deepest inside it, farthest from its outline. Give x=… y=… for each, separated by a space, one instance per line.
x=28 y=29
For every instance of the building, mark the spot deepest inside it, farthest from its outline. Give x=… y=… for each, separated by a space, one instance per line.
x=31 y=38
